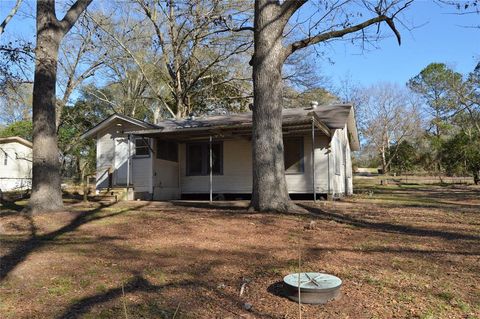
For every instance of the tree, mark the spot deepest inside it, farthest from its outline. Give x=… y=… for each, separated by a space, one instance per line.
x=82 y=54
x=46 y=191
x=461 y=155
x=434 y=84
x=271 y=19
x=193 y=52
x=20 y=128
x=382 y=121
x=402 y=157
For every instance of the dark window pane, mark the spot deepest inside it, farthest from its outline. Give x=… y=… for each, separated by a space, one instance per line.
x=173 y=151
x=167 y=150
x=194 y=159
x=217 y=158
x=141 y=147
x=293 y=155
x=198 y=158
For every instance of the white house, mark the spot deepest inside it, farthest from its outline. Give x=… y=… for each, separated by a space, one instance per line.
x=172 y=159
x=15 y=163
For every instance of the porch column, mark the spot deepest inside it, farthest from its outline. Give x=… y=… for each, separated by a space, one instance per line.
x=128 y=164
x=211 y=170
x=313 y=161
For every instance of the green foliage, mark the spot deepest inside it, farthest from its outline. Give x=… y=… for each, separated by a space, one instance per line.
x=461 y=154
x=23 y=129
x=402 y=157
x=76 y=152
x=435 y=84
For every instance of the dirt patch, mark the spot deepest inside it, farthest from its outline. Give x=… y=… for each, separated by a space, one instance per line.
x=401 y=252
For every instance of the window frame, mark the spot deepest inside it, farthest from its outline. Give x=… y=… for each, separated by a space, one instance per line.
x=205 y=146
x=147 y=146
x=301 y=142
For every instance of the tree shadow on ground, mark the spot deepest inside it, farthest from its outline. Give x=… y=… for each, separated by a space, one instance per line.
x=166 y=309
x=386 y=227
x=135 y=284
x=18 y=254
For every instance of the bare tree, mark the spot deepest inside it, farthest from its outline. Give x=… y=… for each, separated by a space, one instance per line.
x=81 y=55
x=193 y=44
x=388 y=115
x=330 y=20
x=46 y=191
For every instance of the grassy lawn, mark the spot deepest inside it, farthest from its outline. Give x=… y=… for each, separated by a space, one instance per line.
x=402 y=252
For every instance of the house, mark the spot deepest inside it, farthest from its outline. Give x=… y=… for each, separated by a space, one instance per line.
x=172 y=159
x=15 y=163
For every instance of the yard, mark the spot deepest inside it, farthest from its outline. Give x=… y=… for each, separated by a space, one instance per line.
x=402 y=252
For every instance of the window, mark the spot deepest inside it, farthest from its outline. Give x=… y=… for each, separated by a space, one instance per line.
x=141 y=147
x=5 y=158
x=167 y=150
x=198 y=158
x=293 y=155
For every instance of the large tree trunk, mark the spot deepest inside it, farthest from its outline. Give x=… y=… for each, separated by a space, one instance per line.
x=46 y=191
x=269 y=185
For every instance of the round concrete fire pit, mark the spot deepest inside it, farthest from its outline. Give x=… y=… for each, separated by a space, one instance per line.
x=315 y=287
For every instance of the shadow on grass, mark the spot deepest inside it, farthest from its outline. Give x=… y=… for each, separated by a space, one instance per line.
x=17 y=255
x=386 y=227
x=216 y=297
x=136 y=284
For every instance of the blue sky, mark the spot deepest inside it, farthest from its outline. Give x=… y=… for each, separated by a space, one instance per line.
x=439 y=38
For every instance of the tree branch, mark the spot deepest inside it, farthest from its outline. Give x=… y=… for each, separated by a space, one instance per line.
x=10 y=16
x=289 y=7
x=73 y=14
x=339 y=33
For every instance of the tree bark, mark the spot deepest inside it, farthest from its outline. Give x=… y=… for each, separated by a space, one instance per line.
x=269 y=191
x=46 y=190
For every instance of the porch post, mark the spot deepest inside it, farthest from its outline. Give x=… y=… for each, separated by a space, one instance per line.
x=128 y=164
x=313 y=161
x=211 y=170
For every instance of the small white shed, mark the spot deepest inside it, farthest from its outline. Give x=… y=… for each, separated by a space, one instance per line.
x=15 y=163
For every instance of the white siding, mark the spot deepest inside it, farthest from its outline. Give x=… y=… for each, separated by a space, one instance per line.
x=105 y=158
x=165 y=180
x=17 y=172
x=112 y=152
x=237 y=170
x=342 y=183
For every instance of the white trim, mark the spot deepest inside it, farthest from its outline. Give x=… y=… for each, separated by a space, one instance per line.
x=106 y=123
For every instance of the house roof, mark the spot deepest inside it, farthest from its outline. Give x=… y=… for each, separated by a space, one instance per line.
x=15 y=139
x=328 y=117
x=106 y=122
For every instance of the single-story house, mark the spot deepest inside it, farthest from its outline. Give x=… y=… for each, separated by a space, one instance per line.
x=172 y=158
x=15 y=163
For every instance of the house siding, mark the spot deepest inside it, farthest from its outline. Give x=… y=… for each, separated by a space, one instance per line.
x=237 y=169
x=112 y=152
x=17 y=174
x=342 y=183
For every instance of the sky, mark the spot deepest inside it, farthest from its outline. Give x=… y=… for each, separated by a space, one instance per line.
x=437 y=36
